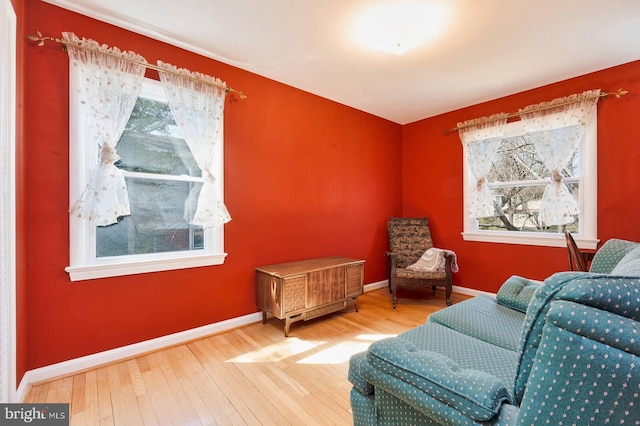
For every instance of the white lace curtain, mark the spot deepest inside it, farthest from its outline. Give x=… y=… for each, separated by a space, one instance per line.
x=481 y=139
x=555 y=128
x=109 y=84
x=197 y=103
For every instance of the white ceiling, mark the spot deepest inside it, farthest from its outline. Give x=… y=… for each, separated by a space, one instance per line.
x=487 y=49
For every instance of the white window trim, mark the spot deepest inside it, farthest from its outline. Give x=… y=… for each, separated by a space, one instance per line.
x=84 y=265
x=588 y=226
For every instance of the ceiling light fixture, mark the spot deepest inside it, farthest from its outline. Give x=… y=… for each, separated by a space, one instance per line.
x=396 y=26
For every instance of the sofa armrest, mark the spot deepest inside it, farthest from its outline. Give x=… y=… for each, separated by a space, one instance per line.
x=516 y=292
x=476 y=394
x=356 y=363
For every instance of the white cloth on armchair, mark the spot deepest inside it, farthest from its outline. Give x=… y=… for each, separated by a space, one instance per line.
x=434 y=259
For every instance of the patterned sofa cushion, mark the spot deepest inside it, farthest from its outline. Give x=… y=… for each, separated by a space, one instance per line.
x=481 y=317
x=610 y=255
x=400 y=404
x=440 y=364
x=475 y=393
x=516 y=292
x=464 y=350
x=585 y=371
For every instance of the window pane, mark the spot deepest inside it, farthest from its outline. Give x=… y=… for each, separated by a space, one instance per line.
x=156 y=223
x=153 y=143
x=517 y=209
x=517 y=160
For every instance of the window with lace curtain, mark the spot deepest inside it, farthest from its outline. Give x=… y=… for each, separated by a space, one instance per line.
x=160 y=173
x=163 y=180
x=518 y=174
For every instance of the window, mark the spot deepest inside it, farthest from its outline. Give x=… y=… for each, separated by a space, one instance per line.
x=517 y=179
x=163 y=181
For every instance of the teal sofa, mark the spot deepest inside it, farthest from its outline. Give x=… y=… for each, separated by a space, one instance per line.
x=565 y=351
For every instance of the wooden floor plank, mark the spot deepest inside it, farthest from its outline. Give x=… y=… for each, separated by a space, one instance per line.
x=126 y=408
x=248 y=376
x=229 y=381
x=105 y=409
x=37 y=393
x=84 y=403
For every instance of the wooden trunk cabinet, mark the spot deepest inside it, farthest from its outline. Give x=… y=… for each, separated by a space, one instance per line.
x=306 y=289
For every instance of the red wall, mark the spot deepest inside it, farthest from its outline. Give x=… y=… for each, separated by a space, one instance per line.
x=21 y=226
x=432 y=178
x=304 y=177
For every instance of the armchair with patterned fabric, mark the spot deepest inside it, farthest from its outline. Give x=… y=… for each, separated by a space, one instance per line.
x=409 y=240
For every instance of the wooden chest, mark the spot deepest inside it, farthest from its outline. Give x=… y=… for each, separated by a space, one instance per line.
x=306 y=289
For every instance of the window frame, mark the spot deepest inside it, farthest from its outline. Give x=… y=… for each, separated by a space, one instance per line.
x=84 y=265
x=588 y=198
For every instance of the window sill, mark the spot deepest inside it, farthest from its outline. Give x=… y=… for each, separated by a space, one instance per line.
x=530 y=239
x=111 y=269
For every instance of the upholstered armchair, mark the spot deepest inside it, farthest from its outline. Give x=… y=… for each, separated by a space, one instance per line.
x=409 y=240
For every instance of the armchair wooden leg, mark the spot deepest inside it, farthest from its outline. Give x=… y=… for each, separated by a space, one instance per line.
x=393 y=288
x=447 y=293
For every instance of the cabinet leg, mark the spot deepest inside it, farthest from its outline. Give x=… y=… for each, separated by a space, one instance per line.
x=287 y=326
x=264 y=317
x=355 y=304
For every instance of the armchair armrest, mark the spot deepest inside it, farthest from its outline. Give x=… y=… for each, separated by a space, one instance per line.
x=391 y=263
x=475 y=393
x=449 y=259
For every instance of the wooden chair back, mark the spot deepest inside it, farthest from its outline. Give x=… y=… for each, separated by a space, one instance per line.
x=576 y=258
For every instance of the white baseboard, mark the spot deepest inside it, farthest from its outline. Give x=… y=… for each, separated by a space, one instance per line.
x=470 y=291
x=456 y=289
x=375 y=286
x=77 y=365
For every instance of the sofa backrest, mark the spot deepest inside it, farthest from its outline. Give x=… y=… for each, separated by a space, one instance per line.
x=586 y=369
x=619 y=295
x=611 y=253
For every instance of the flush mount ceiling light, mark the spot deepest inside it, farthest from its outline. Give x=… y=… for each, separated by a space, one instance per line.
x=397 y=26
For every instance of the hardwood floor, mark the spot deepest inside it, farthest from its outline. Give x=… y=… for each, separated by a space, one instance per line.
x=251 y=375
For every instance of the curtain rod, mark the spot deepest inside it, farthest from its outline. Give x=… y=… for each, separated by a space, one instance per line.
x=38 y=37
x=618 y=93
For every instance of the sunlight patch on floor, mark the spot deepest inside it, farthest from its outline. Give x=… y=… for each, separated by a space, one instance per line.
x=292 y=346
x=374 y=337
x=336 y=354
x=278 y=351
